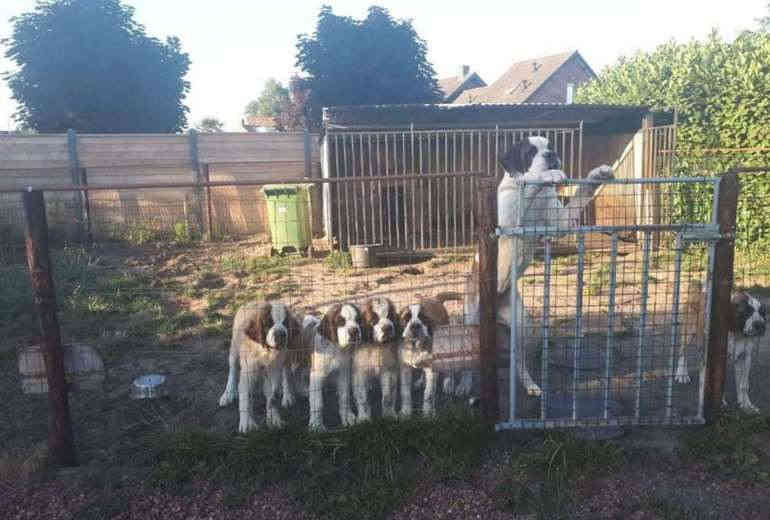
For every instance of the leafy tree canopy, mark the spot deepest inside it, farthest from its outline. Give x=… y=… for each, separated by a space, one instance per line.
x=269 y=103
x=377 y=60
x=87 y=65
x=210 y=125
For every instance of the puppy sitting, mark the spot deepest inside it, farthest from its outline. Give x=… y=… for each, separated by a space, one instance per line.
x=416 y=351
x=748 y=323
x=376 y=357
x=335 y=338
x=262 y=333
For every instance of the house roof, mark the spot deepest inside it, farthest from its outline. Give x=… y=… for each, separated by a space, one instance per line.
x=538 y=115
x=260 y=121
x=451 y=85
x=521 y=80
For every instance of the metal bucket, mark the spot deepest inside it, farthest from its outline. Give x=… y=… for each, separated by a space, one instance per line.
x=363 y=255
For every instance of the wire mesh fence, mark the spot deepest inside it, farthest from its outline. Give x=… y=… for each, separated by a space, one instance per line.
x=164 y=304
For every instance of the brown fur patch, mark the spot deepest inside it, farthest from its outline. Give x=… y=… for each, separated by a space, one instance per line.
x=260 y=325
x=328 y=327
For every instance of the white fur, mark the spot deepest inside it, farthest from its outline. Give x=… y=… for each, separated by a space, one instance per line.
x=328 y=357
x=529 y=205
x=253 y=357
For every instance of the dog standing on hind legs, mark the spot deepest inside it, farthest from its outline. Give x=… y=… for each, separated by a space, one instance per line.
x=529 y=160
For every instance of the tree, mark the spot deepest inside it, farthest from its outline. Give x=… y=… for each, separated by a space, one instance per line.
x=377 y=60
x=269 y=103
x=210 y=125
x=764 y=22
x=87 y=65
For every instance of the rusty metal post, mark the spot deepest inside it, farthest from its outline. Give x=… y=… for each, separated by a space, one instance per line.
x=209 y=221
x=60 y=442
x=486 y=219
x=721 y=293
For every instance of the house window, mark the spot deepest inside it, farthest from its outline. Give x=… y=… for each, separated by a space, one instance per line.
x=570 y=93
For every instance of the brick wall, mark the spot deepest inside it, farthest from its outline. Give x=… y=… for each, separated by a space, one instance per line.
x=554 y=90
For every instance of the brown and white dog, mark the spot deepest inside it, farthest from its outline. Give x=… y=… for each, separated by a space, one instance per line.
x=748 y=323
x=529 y=161
x=377 y=357
x=336 y=336
x=415 y=350
x=262 y=334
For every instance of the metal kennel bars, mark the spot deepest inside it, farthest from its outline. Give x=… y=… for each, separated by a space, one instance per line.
x=602 y=331
x=412 y=188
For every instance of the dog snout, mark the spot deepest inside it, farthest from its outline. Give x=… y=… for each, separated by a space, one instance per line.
x=387 y=330
x=414 y=331
x=280 y=336
x=759 y=327
x=552 y=160
x=355 y=334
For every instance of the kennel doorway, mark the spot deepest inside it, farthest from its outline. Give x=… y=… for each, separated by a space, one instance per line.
x=606 y=325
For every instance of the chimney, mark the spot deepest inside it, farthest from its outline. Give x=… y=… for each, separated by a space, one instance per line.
x=464 y=71
x=535 y=66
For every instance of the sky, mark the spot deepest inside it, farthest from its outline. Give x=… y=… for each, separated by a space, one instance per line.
x=236 y=45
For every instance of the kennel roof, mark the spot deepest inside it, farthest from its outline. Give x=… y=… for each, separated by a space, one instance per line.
x=614 y=118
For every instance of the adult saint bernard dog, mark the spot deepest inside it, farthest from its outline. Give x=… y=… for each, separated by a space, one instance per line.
x=748 y=324
x=263 y=333
x=529 y=160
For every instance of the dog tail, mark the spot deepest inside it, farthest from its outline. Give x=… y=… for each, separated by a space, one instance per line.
x=449 y=296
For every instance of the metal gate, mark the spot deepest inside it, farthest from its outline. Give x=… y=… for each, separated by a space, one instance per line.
x=414 y=189
x=602 y=331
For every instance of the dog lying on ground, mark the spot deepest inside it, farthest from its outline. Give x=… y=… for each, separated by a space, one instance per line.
x=336 y=336
x=262 y=335
x=529 y=160
x=748 y=324
x=377 y=357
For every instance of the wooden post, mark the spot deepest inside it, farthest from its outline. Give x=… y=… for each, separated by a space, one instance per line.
x=197 y=178
x=75 y=176
x=209 y=221
x=308 y=154
x=486 y=218
x=721 y=294
x=60 y=443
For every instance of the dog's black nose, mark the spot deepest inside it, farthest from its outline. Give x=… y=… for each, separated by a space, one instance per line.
x=387 y=329
x=280 y=335
x=355 y=334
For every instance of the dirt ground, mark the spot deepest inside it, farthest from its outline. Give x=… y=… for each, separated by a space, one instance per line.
x=168 y=308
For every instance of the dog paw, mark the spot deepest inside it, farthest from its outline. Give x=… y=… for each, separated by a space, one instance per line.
x=428 y=411
x=227 y=398
x=534 y=390
x=682 y=379
x=348 y=418
x=247 y=425
x=553 y=176
x=317 y=427
x=601 y=173
x=748 y=407
x=389 y=413
x=405 y=413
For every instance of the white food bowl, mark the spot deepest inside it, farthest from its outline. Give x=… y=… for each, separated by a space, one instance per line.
x=149 y=386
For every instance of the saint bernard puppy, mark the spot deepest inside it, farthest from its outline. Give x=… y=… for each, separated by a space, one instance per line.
x=415 y=351
x=377 y=357
x=336 y=336
x=262 y=335
x=529 y=160
x=748 y=324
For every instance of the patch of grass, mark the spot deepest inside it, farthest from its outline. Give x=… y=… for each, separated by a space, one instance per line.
x=361 y=472
x=542 y=473
x=733 y=446
x=339 y=260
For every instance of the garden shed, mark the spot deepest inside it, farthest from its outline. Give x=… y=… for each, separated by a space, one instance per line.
x=403 y=176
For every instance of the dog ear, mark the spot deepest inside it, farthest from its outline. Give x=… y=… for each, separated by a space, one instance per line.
x=368 y=320
x=519 y=158
x=327 y=328
x=393 y=316
x=254 y=330
x=435 y=311
x=294 y=329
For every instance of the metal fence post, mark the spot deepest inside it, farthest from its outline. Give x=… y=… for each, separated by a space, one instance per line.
x=486 y=218
x=60 y=442
x=721 y=293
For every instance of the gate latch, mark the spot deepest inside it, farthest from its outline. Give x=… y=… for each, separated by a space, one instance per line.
x=703 y=233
